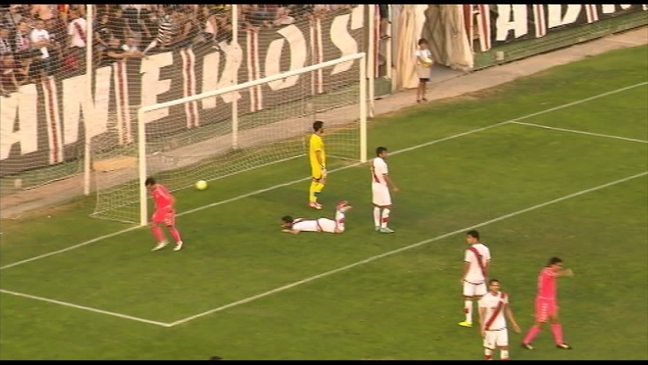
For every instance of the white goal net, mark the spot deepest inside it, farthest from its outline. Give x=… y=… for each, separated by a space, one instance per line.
x=231 y=130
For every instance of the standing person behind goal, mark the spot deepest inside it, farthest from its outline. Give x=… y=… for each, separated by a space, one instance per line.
x=167 y=30
x=494 y=309
x=475 y=272
x=380 y=191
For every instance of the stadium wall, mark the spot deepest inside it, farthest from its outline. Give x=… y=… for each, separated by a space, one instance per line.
x=43 y=124
x=506 y=32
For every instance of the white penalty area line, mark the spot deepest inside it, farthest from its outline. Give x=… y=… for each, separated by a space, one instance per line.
x=83 y=307
x=261 y=191
x=402 y=249
x=580 y=132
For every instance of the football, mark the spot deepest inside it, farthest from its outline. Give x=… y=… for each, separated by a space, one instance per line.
x=201 y=185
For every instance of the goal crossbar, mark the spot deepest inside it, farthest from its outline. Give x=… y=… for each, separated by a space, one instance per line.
x=141 y=122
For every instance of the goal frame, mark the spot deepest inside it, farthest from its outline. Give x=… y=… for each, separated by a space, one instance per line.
x=363 y=101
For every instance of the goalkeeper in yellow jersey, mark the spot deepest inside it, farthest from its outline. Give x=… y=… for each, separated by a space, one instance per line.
x=317 y=158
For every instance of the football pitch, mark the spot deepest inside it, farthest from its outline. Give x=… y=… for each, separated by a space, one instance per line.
x=555 y=164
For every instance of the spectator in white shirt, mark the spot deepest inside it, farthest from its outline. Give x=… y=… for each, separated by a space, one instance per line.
x=130 y=45
x=77 y=30
x=40 y=39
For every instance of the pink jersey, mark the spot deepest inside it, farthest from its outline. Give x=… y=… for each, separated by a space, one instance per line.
x=546 y=284
x=161 y=197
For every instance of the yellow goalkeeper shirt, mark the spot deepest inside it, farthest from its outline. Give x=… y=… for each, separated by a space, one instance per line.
x=316 y=144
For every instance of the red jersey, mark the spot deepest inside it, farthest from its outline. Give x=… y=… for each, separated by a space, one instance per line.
x=161 y=197
x=547 y=284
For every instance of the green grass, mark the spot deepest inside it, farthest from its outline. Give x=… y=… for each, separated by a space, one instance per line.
x=405 y=306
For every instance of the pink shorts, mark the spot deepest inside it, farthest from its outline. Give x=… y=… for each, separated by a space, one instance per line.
x=166 y=216
x=544 y=308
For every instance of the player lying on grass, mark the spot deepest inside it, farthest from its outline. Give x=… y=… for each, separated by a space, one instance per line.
x=296 y=225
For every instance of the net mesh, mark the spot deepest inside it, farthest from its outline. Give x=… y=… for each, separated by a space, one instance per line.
x=194 y=140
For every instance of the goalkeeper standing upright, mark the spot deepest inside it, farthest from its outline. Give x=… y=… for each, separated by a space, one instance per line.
x=317 y=158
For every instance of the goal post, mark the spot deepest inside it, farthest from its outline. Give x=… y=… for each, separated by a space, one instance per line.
x=230 y=140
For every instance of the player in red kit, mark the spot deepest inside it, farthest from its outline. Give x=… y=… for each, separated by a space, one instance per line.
x=546 y=308
x=163 y=214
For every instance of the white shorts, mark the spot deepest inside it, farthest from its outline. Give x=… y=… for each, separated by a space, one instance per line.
x=329 y=226
x=380 y=195
x=474 y=290
x=495 y=339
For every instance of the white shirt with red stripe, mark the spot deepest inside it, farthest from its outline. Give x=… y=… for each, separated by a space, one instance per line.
x=475 y=274
x=379 y=170
x=77 y=29
x=491 y=303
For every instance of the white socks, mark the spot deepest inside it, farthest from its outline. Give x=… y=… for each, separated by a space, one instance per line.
x=468 y=308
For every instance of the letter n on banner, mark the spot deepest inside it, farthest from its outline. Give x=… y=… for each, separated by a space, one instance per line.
x=53 y=119
x=122 y=102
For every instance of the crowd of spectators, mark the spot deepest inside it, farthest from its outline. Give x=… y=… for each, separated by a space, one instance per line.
x=41 y=40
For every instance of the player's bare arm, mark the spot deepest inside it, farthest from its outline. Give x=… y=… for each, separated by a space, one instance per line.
x=511 y=318
x=465 y=268
x=482 y=315
x=390 y=183
x=291 y=231
x=318 y=156
x=562 y=273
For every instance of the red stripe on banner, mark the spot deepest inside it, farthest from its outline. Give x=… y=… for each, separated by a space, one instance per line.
x=483 y=21
x=188 y=89
x=313 y=59
x=540 y=21
x=591 y=12
x=53 y=127
x=192 y=84
x=468 y=24
x=257 y=71
x=250 y=58
x=376 y=40
x=320 y=55
x=119 y=68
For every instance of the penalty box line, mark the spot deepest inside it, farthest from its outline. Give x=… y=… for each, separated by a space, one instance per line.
x=85 y=308
x=261 y=191
x=402 y=249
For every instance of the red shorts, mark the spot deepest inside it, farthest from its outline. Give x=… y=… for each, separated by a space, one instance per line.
x=166 y=216
x=544 y=308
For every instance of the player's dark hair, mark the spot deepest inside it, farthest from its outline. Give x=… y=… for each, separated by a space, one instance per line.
x=149 y=181
x=380 y=150
x=473 y=233
x=287 y=219
x=491 y=281
x=318 y=125
x=554 y=260
x=422 y=41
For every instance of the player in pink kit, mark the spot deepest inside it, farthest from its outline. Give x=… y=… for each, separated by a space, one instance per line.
x=163 y=214
x=546 y=308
